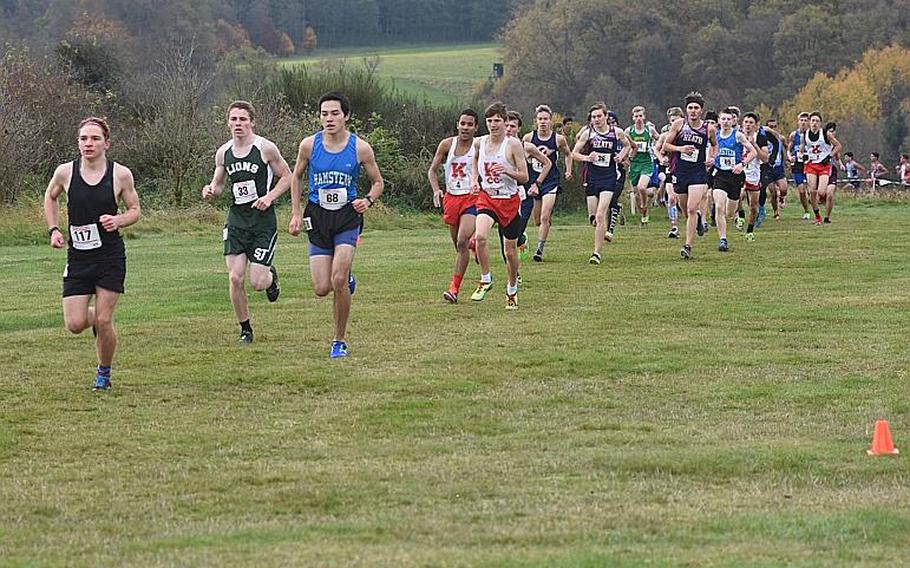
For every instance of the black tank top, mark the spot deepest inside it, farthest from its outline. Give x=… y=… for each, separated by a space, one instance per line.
x=85 y=204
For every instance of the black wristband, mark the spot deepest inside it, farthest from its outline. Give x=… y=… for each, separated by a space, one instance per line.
x=369 y=199
x=52 y=229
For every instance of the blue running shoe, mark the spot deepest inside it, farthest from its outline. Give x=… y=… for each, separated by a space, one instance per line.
x=339 y=349
x=761 y=216
x=352 y=283
x=102 y=383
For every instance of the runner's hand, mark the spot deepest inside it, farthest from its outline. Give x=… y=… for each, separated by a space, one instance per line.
x=534 y=191
x=437 y=198
x=262 y=203
x=109 y=222
x=294 y=225
x=57 y=240
x=208 y=192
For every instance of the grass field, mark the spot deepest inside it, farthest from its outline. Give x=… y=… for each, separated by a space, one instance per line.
x=441 y=74
x=649 y=411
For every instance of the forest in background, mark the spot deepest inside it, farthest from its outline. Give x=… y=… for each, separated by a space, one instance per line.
x=162 y=73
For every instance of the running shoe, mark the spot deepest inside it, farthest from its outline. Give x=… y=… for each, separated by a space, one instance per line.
x=522 y=252
x=750 y=237
x=339 y=349
x=723 y=246
x=595 y=258
x=761 y=217
x=622 y=216
x=591 y=219
x=246 y=337
x=481 y=291
x=674 y=233
x=807 y=217
x=740 y=223
x=511 y=301
x=818 y=221
x=102 y=383
x=538 y=256
x=518 y=279
x=827 y=221
x=699 y=225
x=645 y=219
x=450 y=296
x=686 y=252
x=273 y=290
x=777 y=216
x=608 y=236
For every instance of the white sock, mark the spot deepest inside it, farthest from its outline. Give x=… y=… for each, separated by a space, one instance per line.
x=511 y=290
x=486 y=278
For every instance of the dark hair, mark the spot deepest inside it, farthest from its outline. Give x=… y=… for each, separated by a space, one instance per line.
x=752 y=115
x=514 y=115
x=905 y=156
x=470 y=112
x=567 y=119
x=848 y=154
x=342 y=100
x=875 y=155
x=596 y=106
x=815 y=113
x=712 y=116
x=100 y=123
x=695 y=97
x=830 y=126
x=770 y=120
x=496 y=109
x=242 y=105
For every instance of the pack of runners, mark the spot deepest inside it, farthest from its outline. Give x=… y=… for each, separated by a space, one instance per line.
x=705 y=165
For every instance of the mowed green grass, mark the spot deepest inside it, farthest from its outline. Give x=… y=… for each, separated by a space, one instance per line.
x=649 y=411
x=440 y=74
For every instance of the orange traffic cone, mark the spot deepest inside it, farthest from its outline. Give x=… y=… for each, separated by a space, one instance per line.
x=882 y=445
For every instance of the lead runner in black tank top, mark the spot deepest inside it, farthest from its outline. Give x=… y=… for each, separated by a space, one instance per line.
x=96 y=258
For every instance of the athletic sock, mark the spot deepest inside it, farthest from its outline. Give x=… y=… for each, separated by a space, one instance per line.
x=104 y=370
x=486 y=278
x=511 y=290
x=245 y=326
x=741 y=214
x=614 y=215
x=751 y=228
x=456 y=282
x=540 y=245
x=674 y=215
x=816 y=212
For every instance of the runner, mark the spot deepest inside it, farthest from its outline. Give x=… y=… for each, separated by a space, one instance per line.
x=644 y=136
x=777 y=178
x=248 y=163
x=753 y=169
x=798 y=160
x=667 y=162
x=694 y=144
x=600 y=140
x=826 y=193
x=500 y=163
x=544 y=193
x=819 y=146
x=732 y=147
x=903 y=170
x=333 y=217
x=877 y=169
x=528 y=192
x=456 y=154
x=95 y=257
x=854 y=170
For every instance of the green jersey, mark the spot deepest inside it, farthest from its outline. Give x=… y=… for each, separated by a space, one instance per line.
x=642 y=141
x=249 y=177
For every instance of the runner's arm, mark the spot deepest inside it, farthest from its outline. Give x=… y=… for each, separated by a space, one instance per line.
x=367 y=158
x=272 y=156
x=215 y=187
x=741 y=138
x=433 y=172
x=562 y=144
x=304 y=151
x=579 y=144
x=130 y=198
x=544 y=160
x=516 y=149
x=51 y=205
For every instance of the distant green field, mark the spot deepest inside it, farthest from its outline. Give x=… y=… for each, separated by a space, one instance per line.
x=441 y=74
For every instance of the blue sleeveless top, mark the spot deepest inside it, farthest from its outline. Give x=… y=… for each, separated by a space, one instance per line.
x=333 y=171
x=549 y=149
x=729 y=151
x=695 y=162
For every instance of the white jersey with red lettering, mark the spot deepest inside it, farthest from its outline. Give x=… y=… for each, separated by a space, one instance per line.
x=819 y=149
x=459 y=170
x=497 y=186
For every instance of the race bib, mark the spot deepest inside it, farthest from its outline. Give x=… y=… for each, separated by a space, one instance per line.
x=333 y=199
x=85 y=237
x=727 y=162
x=602 y=160
x=689 y=157
x=244 y=192
x=498 y=192
x=536 y=165
x=458 y=187
x=641 y=146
